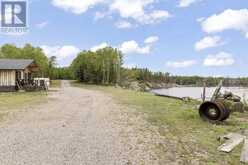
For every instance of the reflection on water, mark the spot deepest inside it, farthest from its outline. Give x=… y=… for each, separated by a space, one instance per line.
x=196 y=92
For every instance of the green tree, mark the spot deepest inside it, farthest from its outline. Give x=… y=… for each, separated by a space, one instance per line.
x=100 y=67
x=52 y=65
x=27 y=52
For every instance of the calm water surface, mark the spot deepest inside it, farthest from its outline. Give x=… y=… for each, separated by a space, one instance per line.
x=196 y=92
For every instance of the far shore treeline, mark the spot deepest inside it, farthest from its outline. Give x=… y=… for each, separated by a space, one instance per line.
x=105 y=67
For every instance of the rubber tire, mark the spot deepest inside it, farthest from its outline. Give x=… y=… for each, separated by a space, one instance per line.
x=226 y=111
x=221 y=113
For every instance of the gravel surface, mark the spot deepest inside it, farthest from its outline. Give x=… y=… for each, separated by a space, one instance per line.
x=77 y=127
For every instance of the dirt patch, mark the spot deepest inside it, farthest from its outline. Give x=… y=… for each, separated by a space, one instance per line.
x=78 y=126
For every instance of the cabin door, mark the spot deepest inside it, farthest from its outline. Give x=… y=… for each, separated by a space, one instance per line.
x=18 y=75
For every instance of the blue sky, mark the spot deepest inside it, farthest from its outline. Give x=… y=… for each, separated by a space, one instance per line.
x=183 y=37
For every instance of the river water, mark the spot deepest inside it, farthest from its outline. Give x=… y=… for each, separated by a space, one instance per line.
x=196 y=92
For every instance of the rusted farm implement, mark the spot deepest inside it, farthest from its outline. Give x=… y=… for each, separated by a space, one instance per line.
x=221 y=106
x=33 y=85
x=19 y=74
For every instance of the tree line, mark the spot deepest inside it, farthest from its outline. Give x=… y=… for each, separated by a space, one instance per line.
x=100 y=67
x=105 y=67
x=47 y=66
x=27 y=52
x=209 y=81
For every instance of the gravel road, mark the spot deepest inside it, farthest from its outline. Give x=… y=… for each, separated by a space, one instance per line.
x=77 y=127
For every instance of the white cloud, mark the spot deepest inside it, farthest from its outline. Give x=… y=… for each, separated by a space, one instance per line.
x=141 y=11
x=151 y=40
x=42 y=25
x=100 y=15
x=132 y=47
x=123 y=25
x=156 y=16
x=227 y=20
x=181 y=64
x=76 y=6
x=130 y=65
x=201 y=19
x=136 y=9
x=208 y=42
x=186 y=3
x=65 y=54
x=97 y=47
x=130 y=8
x=220 y=59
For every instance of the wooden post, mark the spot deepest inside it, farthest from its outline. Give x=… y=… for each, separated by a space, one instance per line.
x=204 y=92
x=234 y=140
x=217 y=91
x=244 y=154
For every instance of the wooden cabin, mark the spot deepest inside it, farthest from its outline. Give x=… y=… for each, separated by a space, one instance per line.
x=16 y=71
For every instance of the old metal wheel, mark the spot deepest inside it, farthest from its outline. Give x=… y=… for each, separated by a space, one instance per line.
x=226 y=111
x=212 y=112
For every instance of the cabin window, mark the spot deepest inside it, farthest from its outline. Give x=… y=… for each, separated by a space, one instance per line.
x=29 y=76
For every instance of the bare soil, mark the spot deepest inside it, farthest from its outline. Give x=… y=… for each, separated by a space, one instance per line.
x=78 y=127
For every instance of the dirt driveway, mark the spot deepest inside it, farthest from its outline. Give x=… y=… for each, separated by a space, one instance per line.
x=77 y=127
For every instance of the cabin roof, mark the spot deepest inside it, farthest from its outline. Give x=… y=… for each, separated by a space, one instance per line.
x=15 y=64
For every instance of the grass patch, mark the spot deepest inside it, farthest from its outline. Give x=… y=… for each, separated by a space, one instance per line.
x=15 y=101
x=180 y=122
